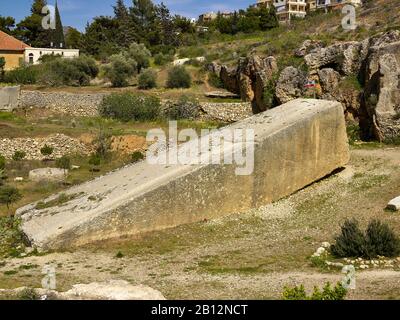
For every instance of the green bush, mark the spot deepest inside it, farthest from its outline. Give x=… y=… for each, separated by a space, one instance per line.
x=64 y=163
x=378 y=239
x=381 y=240
x=128 y=106
x=119 y=70
x=22 y=75
x=140 y=54
x=46 y=150
x=28 y=294
x=185 y=108
x=137 y=156
x=179 y=77
x=73 y=72
x=19 y=155
x=327 y=293
x=215 y=81
x=162 y=59
x=9 y=195
x=2 y=162
x=147 y=79
x=11 y=237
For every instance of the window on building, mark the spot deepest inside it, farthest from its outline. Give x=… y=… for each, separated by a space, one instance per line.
x=30 y=58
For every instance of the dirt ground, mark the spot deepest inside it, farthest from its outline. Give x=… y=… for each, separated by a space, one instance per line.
x=250 y=255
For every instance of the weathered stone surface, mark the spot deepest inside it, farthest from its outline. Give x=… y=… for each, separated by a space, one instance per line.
x=47 y=174
x=345 y=57
x=394 y=204
x=9 y=98
x=111 y=290
x=290 y=85
x=295 y=144
x=307 y=47
x=229 y=79
x=382 y=93
x=332 y=89
x=221 y=95
x=250 y=79
x=61 y=144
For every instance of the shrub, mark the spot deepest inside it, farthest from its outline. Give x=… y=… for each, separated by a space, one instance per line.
x=103 y=143
x=179 y=77
x=28 y=294
x=215 y=81
x=128 y=106
x=147 y=79
x=184 y=108
x=74 y=72
x=19 y=155
x=64 y=163
x=46 y=150
x=119 y=70
x=9 y=195
x=140 y=54
x=350 y=242
x=2 y=64
x=94 y=161
x=327 y=293
x=162 y=59
x=379 y=239
x=22 y=75
x=2 y=162
x=137 y=156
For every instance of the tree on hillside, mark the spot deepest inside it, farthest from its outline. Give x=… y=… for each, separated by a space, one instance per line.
x=57 y=39
x=126 y=32
x=140 y=54
x=9 y=195
x=73 y=38
x=143 y=16
x=268 y=19
x=100 y=39
x=30 y=29
x=7 y=24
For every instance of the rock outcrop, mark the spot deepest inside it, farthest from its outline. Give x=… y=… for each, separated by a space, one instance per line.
x=382 y=93
x=290 y=85
x=249 y=79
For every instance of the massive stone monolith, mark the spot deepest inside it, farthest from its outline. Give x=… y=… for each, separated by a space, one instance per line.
x=295 y=144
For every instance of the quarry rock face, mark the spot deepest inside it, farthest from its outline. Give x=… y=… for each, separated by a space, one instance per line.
x=290 y=85
x=294 y=145
x=9 y=97
x=249 y=79
x=382 y=93
x=47 y=174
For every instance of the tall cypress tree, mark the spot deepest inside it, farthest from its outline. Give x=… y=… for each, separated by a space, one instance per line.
x=126 y=33
x=30 y=29
x=57 y=36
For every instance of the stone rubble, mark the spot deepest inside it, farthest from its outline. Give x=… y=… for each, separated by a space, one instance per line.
x=62 y=144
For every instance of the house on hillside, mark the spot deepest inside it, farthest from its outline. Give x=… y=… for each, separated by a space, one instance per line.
x=12 y=50
x=286 y=9
x=17 y=53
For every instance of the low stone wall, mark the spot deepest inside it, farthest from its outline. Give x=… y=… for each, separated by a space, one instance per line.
x=9 y=98
x=295 y=144
x=73 y=104
x=61 y=143
x=81 y=105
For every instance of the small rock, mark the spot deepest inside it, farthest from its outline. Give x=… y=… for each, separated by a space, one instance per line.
x=19 y=179
x=394 y=204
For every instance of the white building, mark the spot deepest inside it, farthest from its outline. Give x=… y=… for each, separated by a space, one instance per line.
x=286 y=9
x=32 y=55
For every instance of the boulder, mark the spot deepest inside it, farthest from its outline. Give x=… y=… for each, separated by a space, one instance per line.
x=381 y=100
x=290 y=85
x=394 y=204
x=229 y=79
x=329 y=80
x=112 y=290
x=9 y=97
x=47 y=174
x=307 y=47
